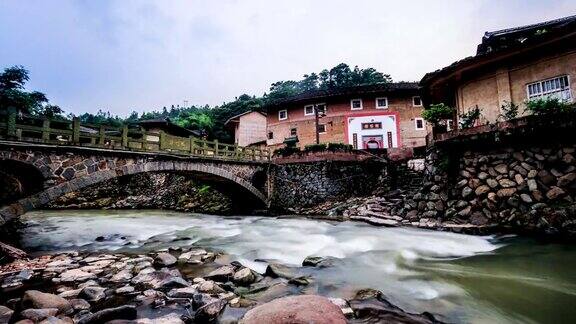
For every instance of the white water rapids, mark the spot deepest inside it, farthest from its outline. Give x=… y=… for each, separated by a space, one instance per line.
x=418 y=270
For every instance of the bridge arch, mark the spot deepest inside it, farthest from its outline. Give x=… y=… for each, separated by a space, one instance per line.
x=47 y=195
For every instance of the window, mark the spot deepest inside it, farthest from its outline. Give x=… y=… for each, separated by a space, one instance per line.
x=309 y=110
x=558 y=87
x=356 y=104
x=322 y=128
x=449 y=124
x=270 y=135
x=419 y=123
x=321 y=108
x=416 y=101
x=381 y=103
x=293 y=132
x=283 y=114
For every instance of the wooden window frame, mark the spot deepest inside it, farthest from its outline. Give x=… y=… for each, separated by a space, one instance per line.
x=414 y=104
x=280 y=113
x=381 y=107
x=352 y=104
x=416 y=123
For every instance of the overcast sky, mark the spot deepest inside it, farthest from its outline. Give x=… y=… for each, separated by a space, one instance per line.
x=140 y=55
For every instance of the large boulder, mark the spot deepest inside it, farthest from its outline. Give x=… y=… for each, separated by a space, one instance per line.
x=37 y=299
x=296 y=309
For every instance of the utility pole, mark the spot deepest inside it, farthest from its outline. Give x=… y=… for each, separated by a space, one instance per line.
x=317 y=116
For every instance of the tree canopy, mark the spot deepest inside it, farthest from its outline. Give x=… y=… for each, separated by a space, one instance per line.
x=204 y=118
x=13 y=94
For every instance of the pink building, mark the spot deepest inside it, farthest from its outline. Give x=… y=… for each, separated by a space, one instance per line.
x=249 y=128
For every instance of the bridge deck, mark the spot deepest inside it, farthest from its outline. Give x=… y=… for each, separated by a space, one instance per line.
x=70 y=133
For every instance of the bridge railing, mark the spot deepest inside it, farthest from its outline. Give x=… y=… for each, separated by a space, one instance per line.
x=72 y=132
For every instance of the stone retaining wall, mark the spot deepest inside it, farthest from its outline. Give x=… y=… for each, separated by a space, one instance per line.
x=299 y=185
x=528 y=187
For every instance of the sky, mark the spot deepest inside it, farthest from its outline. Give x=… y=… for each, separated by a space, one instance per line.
x=125 y=55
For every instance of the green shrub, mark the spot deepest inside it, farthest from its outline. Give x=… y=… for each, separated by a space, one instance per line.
x=509 y=110
x=547 y=106
x=286 y=151
x=315 y=148
x=468 y=119
x=339 y=147
x=437 y=113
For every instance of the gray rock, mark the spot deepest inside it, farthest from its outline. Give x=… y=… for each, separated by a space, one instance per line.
x=79 y=304
x=5 y=314
x=532 y=185
x=57 y=320
x=122 y=276
x=566 y=179
x=186 y=292
x=126 y=312
x=526 y=198
x=93 y=294
x=501 y=168
x=158 y=279
x=224 y=273
x=125 y=290
x=76 y=275
x=210 y=312
x=165 y=259
x=277 y=270
x=492 y=183
x=38 y=314
x=244 y=276
x=210 y=287
x=507 y=183
x=466 y=192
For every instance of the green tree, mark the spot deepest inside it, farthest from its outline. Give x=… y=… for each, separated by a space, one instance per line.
x=12 y=93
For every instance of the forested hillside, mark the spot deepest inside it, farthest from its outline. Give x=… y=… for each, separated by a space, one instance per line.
x=206 y=118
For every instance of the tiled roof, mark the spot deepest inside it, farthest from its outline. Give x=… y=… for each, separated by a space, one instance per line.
x=349 y=91
x=509 y=40
x=231 y=119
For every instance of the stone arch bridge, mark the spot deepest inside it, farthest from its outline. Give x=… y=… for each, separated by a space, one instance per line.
x=38 y=174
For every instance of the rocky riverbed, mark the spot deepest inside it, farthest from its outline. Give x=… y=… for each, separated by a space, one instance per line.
x=176 y=285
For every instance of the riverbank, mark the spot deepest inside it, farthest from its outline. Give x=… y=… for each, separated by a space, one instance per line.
x=176 y=285
x=457 y=277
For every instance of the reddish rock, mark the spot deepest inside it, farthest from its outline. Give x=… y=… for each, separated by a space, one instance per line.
x=554 y=193
x=296 y=310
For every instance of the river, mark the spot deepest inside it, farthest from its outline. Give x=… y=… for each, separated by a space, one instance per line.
x=459 y=278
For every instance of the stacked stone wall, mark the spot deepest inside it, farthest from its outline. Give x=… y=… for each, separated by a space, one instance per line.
x=529 y=188
x=299 y=185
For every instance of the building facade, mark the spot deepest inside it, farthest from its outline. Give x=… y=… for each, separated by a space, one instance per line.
x=511 y=66
x=249 y=128
x=375 y=116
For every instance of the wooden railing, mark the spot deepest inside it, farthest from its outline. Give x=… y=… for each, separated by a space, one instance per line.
x=72 y=132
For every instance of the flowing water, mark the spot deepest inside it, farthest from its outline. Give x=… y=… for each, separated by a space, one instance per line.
x=459 y=278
